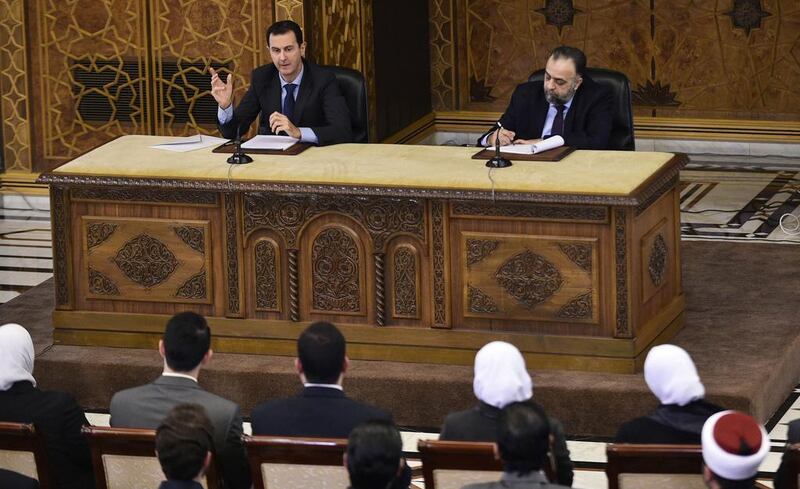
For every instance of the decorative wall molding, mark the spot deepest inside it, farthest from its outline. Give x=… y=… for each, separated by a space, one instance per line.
x=14 y=93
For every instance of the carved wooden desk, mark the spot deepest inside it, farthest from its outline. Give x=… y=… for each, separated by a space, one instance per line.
x=412 y=250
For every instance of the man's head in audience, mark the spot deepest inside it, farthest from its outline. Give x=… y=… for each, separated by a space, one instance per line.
x=374 y=456
x=734 y=445
x=184 y=443
x=523 y=438
x=321 y=355
x=186 y=345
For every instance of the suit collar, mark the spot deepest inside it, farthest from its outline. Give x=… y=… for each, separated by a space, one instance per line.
x=302 y=93
x=21 y=386
x=321 y=392
x=177 y=381
x=488 y=410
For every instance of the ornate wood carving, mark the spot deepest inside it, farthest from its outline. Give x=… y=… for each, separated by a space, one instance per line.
x=98 y=232
x=193 y=237
x=443 y=55
x=478 y=249
x=335 y=275
x=146 y=261
x=579 y=253
x=657 y=264
x=14 y=83
x=579 y=307
x=529 y=211
x=479 y=301
x=439 y=286
x=289 y=10
x=380 y=289
x=294 y=290
x=382 y=217
x=232 y=253
x=623 y=328
x=666 y=185
x=266 y=273
x=529 y=278
x=194 y=288
x=143 y=195
x=559 y=13
x=405 y=283
x=61 y=239
x=747 y=15
x=100 y=284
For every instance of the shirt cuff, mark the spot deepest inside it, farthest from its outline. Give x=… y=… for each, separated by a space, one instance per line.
x=485 y=140
x=224 y=115
x=307 y=135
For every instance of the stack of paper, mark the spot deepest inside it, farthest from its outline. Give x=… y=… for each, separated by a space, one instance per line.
x=190 y=143
x=269 y=142
x=526 y=149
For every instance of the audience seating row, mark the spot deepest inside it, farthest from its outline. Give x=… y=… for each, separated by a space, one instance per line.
x=125 y=458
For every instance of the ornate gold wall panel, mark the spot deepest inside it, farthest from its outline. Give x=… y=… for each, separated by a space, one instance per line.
x=442 y=39
x=715 y=60
x=14 y=106
x=289 y=10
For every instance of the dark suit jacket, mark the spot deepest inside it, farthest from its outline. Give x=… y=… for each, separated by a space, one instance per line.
x=652 y=429
x=147 y=405
x=317 y=411
x=169 y=484
x=588 y=121
x=782 y=476
x=319 y=105
x=480 y=424
x=59 y=418
x=534 y=480
x=13 y=480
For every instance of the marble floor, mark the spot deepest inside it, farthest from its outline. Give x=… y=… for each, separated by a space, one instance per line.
x=718 y=202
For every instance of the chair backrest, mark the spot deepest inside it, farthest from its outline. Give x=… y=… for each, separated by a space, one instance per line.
x=354 y=89
x=22 y=450
x=297 y=463
x=453 y=464
x=622 y=125
x=125 y=458
x=644 y=466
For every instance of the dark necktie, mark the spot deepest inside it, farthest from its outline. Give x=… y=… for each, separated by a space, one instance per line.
x=558 y=122
x=288 y=102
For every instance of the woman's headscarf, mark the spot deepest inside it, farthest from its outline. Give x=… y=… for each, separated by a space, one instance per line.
x=500 y=375
x=16 y=356
x=672 y=376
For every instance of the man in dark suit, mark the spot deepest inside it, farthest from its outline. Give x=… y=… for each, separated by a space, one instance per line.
x=321 y=409
x=792 y=442
x=567 y=103
x=293 y=96
x=374 y=457
x=13 y=480
x=185 y=349
x=184 y=442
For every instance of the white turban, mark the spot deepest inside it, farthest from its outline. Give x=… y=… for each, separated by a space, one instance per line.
x=672 y=376
x=16 y=355
x=724 y=435
x=500 y=375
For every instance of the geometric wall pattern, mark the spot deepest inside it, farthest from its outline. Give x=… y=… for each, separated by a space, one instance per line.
x=14 y=107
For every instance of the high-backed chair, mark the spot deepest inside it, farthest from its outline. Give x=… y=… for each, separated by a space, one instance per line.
x=125 y=458
x=622 y=125
x=354 y=89
x=645 y=466
x=297 y=463
x=23 y=450
x=453 y=464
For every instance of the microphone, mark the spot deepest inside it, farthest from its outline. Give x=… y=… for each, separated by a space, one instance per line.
x=239 y=157
x=497 y=161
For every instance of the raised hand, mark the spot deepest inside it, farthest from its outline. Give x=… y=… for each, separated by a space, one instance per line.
x=222 y=91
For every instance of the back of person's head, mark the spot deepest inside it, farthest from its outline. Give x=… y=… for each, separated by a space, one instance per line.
x=183 y=442
x=321 y=350
x=374 y=452
x=187 y=339
x=670 y=373
x=16 y=356
x=283 y=27
x=523 y=437
x=500 y=375
x=569 y=52
x=734 y=445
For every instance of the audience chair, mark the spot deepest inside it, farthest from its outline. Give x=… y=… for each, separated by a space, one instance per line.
x=622 y=125
x=297 y=463
x=125 y=458
x=454 y=464
x=22 y=450
x=645 y=466
x=354 y=89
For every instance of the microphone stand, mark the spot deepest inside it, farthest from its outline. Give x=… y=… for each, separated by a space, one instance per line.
x=239 y=157
x=497 y=161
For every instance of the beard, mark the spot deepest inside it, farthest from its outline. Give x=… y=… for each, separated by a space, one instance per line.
x=554 y=99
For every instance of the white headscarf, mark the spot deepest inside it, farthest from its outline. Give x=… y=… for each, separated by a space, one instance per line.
x=672 y=376
x=16 y=355
x=500 y=375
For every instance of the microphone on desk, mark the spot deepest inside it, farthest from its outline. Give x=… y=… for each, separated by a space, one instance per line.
x=239 y=157
x=497 y=161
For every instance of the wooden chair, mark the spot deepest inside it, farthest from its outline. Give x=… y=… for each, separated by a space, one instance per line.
x=664 y=466
x=297 y=463
x=453 y=464
x=125 y=458
x=23 y=450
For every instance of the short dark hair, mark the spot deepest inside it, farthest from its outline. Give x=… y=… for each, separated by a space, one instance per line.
x=374 y=450
x=523 y=437
x=187 y=338
x=733 y=484
x=569 y=52
x=321 y=350
x=182 y=441
x=284 y=26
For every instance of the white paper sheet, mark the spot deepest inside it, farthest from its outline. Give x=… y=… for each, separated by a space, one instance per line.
x=190 y=143
x=269 y=142
x=526 y=149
